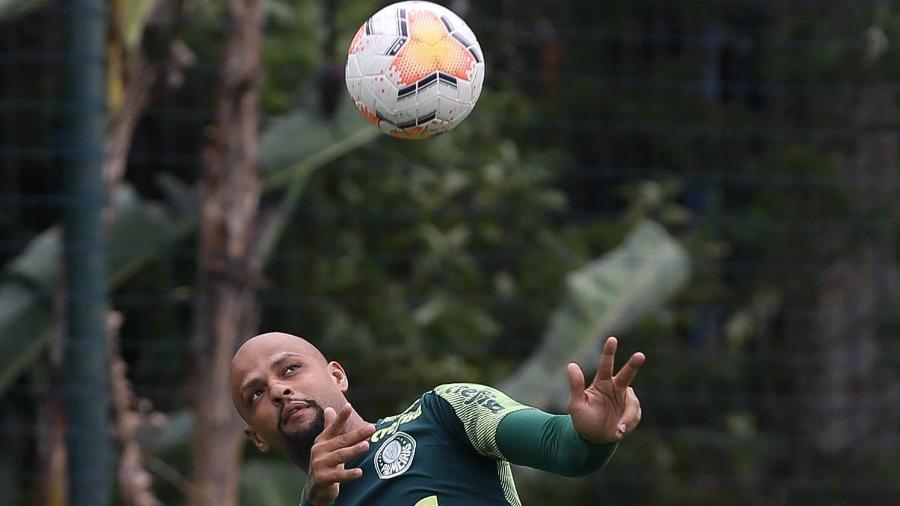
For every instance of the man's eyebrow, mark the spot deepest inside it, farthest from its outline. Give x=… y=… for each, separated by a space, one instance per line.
x=256 y=380
x=252 y=382
x=285 y=357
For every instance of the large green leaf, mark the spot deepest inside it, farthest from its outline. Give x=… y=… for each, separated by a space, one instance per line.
x=39 y=265
x=26 y=317
x=295 y=142
x=294 y=137
x=603 y=298
x=26 y=305
x=25 y=322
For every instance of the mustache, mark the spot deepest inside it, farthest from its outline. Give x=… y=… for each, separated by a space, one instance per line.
x=290 y=406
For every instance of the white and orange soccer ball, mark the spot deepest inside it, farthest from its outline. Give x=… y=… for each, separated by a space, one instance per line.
x=415 y=70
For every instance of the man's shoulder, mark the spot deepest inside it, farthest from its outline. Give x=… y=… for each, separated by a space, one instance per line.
x=475 y=411
x=454 y=387
x=475 y=395
x=451 y=398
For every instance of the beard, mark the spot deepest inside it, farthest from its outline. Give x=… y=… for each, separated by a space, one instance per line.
x=299 y=442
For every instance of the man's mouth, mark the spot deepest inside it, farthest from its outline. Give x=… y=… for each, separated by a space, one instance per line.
x=292 y=409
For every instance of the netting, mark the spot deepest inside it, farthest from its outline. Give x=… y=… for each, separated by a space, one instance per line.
x=761 y=135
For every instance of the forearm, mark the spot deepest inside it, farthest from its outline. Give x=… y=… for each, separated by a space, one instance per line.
x=550 y=443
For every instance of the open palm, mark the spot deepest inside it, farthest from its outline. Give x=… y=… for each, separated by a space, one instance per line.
x=608 y=409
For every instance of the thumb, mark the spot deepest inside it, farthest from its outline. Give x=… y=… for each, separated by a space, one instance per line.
x=576 y=385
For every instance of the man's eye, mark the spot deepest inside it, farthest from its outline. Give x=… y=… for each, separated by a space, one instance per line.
x=291 y=368
x=256 y=395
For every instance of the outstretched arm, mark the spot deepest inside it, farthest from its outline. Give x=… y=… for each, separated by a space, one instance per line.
x=536 y=439
x=583 y=441
x=498 y=427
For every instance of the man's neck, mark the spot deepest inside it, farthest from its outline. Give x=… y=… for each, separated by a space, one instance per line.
x=354 y=422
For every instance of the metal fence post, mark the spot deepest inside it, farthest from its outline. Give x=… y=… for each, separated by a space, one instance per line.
x=86 y=371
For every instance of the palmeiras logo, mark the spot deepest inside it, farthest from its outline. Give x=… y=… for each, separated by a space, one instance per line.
x=395 y=455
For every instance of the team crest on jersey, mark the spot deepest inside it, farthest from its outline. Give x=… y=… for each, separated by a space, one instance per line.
x=395 y=455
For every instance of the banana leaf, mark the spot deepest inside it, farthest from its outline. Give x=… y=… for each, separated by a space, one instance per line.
x=26 y=298
x=602 y=299
x=26 y=304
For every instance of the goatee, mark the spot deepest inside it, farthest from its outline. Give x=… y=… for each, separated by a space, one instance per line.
x=299 y=442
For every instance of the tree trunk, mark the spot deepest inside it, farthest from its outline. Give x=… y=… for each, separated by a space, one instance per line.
x=225 y=300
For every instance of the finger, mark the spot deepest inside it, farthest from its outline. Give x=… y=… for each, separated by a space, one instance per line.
x=344 y=455
x=629 y=370
x=349 y=439
x=631 y=417
x=605 y=369
x=340 y=475
x=334 y=427
x=576 y=385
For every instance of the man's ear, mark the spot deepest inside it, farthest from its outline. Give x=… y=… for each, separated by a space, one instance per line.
x=338 y=376
x=258 y=441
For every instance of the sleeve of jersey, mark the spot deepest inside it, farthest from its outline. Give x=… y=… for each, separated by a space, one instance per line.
x=500 y=428
x=471 y=413
x=550 y=443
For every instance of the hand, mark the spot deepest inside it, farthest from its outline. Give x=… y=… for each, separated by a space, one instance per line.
x=608 y=409
x=330 y=452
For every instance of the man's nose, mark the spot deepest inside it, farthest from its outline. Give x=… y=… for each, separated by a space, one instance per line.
x=279 y=392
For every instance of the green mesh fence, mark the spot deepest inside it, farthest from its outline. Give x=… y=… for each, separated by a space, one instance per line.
x=762 y=136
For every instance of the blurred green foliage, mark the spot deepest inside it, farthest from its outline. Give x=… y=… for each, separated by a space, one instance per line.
x=735 y=124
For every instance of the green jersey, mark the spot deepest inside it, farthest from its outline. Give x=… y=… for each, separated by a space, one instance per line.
x=448 y=449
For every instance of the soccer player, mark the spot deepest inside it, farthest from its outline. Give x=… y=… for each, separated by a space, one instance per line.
x=451 y=447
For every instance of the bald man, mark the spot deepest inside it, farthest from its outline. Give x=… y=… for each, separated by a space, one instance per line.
x=451 y=447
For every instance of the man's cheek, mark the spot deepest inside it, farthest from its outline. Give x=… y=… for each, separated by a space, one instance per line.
x=265 y=418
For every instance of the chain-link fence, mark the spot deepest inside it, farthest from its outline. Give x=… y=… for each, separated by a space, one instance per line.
x=757 y=140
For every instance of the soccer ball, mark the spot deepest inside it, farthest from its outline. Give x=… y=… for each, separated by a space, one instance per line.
x=415 y=70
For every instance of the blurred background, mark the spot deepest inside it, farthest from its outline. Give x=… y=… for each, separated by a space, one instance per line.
x=717 y=182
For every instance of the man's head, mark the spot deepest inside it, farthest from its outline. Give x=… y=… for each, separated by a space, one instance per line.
x=280 y=385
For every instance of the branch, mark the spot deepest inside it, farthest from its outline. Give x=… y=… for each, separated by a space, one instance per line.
x=133 y=416
x=159 y=55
